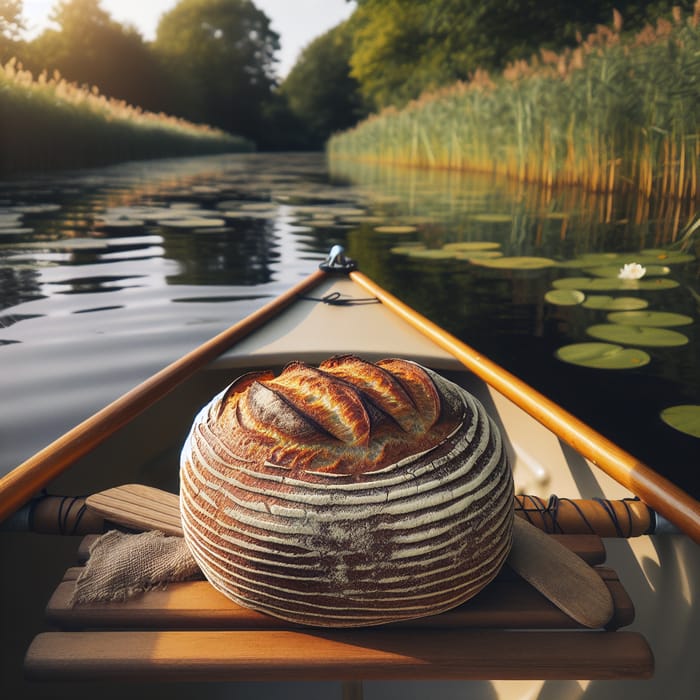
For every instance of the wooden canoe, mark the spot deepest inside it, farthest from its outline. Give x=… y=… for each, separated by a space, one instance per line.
x=339 y=310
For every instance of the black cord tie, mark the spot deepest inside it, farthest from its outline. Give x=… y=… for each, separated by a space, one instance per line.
x=65 y=510
x=337 y=299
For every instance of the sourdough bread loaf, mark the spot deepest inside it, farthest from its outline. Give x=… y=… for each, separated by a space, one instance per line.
x=348 y=494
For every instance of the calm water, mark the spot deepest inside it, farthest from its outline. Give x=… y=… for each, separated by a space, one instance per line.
x=107 y=276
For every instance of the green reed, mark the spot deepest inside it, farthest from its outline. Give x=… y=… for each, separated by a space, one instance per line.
x=615 y=113
x=48 y=122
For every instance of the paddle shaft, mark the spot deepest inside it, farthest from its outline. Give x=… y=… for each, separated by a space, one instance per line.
x=655 y=490
x=19 y=485
x=143 y=507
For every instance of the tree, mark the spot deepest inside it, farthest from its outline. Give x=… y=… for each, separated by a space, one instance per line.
x=320 y=91
x=222 y=52
x=91 y=48
x=402 y=48
x=11 y=25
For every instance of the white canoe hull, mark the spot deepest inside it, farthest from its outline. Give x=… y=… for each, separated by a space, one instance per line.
x=661 y=573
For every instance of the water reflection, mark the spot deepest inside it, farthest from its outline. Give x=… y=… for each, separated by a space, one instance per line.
x=242 y=255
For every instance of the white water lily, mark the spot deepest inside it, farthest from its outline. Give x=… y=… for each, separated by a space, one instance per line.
x=632 y=271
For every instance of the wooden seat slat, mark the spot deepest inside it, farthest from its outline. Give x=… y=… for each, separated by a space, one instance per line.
x=508 y=602
x=355 y=654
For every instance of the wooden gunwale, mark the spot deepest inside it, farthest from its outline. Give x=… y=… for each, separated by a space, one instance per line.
x=23 y=482
x=652 y=488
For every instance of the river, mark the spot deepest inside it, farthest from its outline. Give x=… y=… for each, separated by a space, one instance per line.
x=108 y=275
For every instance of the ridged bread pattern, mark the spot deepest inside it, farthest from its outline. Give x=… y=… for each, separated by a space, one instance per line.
x=350 y=494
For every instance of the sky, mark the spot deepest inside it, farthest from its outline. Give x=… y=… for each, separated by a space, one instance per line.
x=297 y=22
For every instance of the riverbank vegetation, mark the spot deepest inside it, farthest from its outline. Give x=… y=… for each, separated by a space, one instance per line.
x=49 y=123
x=88 y=90
x=451 y=84
x=615 y=112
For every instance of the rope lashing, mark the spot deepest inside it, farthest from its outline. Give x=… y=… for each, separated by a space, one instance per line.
x=627 y=517
x=337 y=299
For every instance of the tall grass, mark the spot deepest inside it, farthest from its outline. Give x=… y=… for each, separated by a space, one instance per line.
x=615 y=113
x=47 y=122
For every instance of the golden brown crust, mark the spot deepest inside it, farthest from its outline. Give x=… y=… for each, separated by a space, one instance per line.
x=348 y=415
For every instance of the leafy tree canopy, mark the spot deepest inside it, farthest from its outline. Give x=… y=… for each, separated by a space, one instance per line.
x=89 y=47
x=319 y=89
x=402 y=48
x=224 y=52
x=11 y=21
x=11 y=24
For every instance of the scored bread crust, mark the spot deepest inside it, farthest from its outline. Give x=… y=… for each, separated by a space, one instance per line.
x=350 y=494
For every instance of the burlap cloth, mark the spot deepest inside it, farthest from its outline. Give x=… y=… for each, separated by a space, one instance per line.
x=123 y=565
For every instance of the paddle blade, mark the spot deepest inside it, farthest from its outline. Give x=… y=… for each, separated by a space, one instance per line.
x=561 y=576
x=139 y=507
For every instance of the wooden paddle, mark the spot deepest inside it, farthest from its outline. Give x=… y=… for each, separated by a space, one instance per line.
x=549 y=567
x=559 y=575
x=138 y=507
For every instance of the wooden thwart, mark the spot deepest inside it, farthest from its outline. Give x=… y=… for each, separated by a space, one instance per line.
x=348 y=655
x=507 y=603
x=191 y=632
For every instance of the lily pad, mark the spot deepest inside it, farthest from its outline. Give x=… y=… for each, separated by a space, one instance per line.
x=345 y=212
x=67 y=244
x=37 y=209
x=189 y=206
x=592 y=260
x=192 y=222
x=667 y=257
x=470 y=255
x=430 y=253
x=637 y=335
x=609 y=284
x=614 y=270
x=144 y=213
x=685 y=418
x=564 y=297
x=10 y=221
x=21 y=231
x=602 y=356
x=657 y=319
x=259 y=206
x=470 y=246
x=363 y=219
x=119 y=224
x=407 y=248
x=493 y=218
x=515 y=262
x=608 y=303
x=647 y=256
x=239 y=214
x=395 y=229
